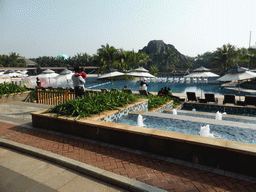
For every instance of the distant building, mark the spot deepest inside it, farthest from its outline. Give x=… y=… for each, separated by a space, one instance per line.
x=32 y=67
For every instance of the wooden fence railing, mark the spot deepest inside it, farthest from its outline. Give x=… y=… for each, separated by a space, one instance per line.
x=54 y=96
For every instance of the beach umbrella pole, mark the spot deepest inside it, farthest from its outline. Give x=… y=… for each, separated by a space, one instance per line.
x=201 y=87
x=239 y=90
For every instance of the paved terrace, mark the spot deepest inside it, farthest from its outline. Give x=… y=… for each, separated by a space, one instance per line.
x=16 y=132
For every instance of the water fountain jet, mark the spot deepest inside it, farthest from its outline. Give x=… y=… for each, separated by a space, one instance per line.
x=205 y=131
x=218 y=116
x=140 y=121
x=174 y=112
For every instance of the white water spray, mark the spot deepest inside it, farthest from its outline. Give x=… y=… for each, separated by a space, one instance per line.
x=193 y=109
x=140 y=121
x=174 y=112
x=218 y=116
x=205 y=131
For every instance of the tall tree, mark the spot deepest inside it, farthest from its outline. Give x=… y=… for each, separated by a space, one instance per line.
x=109 y=55
x=226 y=57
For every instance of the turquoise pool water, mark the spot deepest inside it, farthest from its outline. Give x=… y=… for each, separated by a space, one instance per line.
x=224 y=117
x=92 y=83
x=231 y=133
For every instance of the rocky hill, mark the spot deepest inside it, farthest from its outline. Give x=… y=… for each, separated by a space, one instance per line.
x=156 y=46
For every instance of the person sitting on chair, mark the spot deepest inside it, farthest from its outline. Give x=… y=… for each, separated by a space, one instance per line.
x=161 y=92
x=125 y=87
x=165 y=91
x=143 y=85
x=169 y=91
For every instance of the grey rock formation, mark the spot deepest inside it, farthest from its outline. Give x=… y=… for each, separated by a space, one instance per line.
x=155 y=46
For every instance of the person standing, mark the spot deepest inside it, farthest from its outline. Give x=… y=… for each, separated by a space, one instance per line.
x=83 y=74
x=78 y=82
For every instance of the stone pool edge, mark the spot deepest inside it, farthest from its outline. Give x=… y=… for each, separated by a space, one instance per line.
x=211 y=152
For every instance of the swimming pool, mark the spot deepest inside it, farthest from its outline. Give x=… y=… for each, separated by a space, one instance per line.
x=212 y=115
x=93 y=83
x=224 y=132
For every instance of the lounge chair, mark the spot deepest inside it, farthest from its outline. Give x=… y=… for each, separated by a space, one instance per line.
x=191 y=96
x=229 y=99
x=143 y=92
x=210 y=97
x=127 y=91
x=250 y=100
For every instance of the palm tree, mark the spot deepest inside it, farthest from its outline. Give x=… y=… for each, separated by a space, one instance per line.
x=123 y=57
x=153 y=70
x=226 y=56
x=142 y=58
x=108 y=54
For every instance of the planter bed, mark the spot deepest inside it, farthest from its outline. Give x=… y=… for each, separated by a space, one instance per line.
x=221 y=156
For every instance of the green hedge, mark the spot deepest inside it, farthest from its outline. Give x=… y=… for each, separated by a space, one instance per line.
x=9 y=88
x=95 y=103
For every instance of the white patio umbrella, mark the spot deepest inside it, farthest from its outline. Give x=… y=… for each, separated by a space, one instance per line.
x=111 y=73
x=201 y=72
x=141 y=69
x=237 y=74
x=141 y=74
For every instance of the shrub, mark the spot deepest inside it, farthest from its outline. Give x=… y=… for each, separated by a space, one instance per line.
x=94 y=103
x=8 y=88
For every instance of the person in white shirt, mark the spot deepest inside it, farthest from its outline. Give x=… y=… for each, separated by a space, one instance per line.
x=143 y=86
x=78 y=83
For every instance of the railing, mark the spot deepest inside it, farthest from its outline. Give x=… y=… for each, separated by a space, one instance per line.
x=54 y=96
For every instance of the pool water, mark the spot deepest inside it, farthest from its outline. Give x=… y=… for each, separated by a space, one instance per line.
x=93 y=83
x=155 y=87
x=231 y=133
x=212 y=116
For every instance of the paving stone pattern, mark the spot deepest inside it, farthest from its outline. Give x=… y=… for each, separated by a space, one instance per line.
x=159 y=173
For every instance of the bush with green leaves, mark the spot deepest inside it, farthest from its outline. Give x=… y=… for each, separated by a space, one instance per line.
x=94 y=103
x=8 y=88
x=155 y=101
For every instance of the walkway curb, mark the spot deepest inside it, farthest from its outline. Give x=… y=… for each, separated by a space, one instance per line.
x=118 y=180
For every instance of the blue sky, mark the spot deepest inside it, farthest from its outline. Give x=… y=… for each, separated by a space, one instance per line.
x=36 y=28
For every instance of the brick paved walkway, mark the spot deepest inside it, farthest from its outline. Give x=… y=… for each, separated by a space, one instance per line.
x=159 y=173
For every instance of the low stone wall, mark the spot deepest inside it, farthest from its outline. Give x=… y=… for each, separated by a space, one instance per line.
x=220 y=108
x=14 y=97
x=136 y=107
